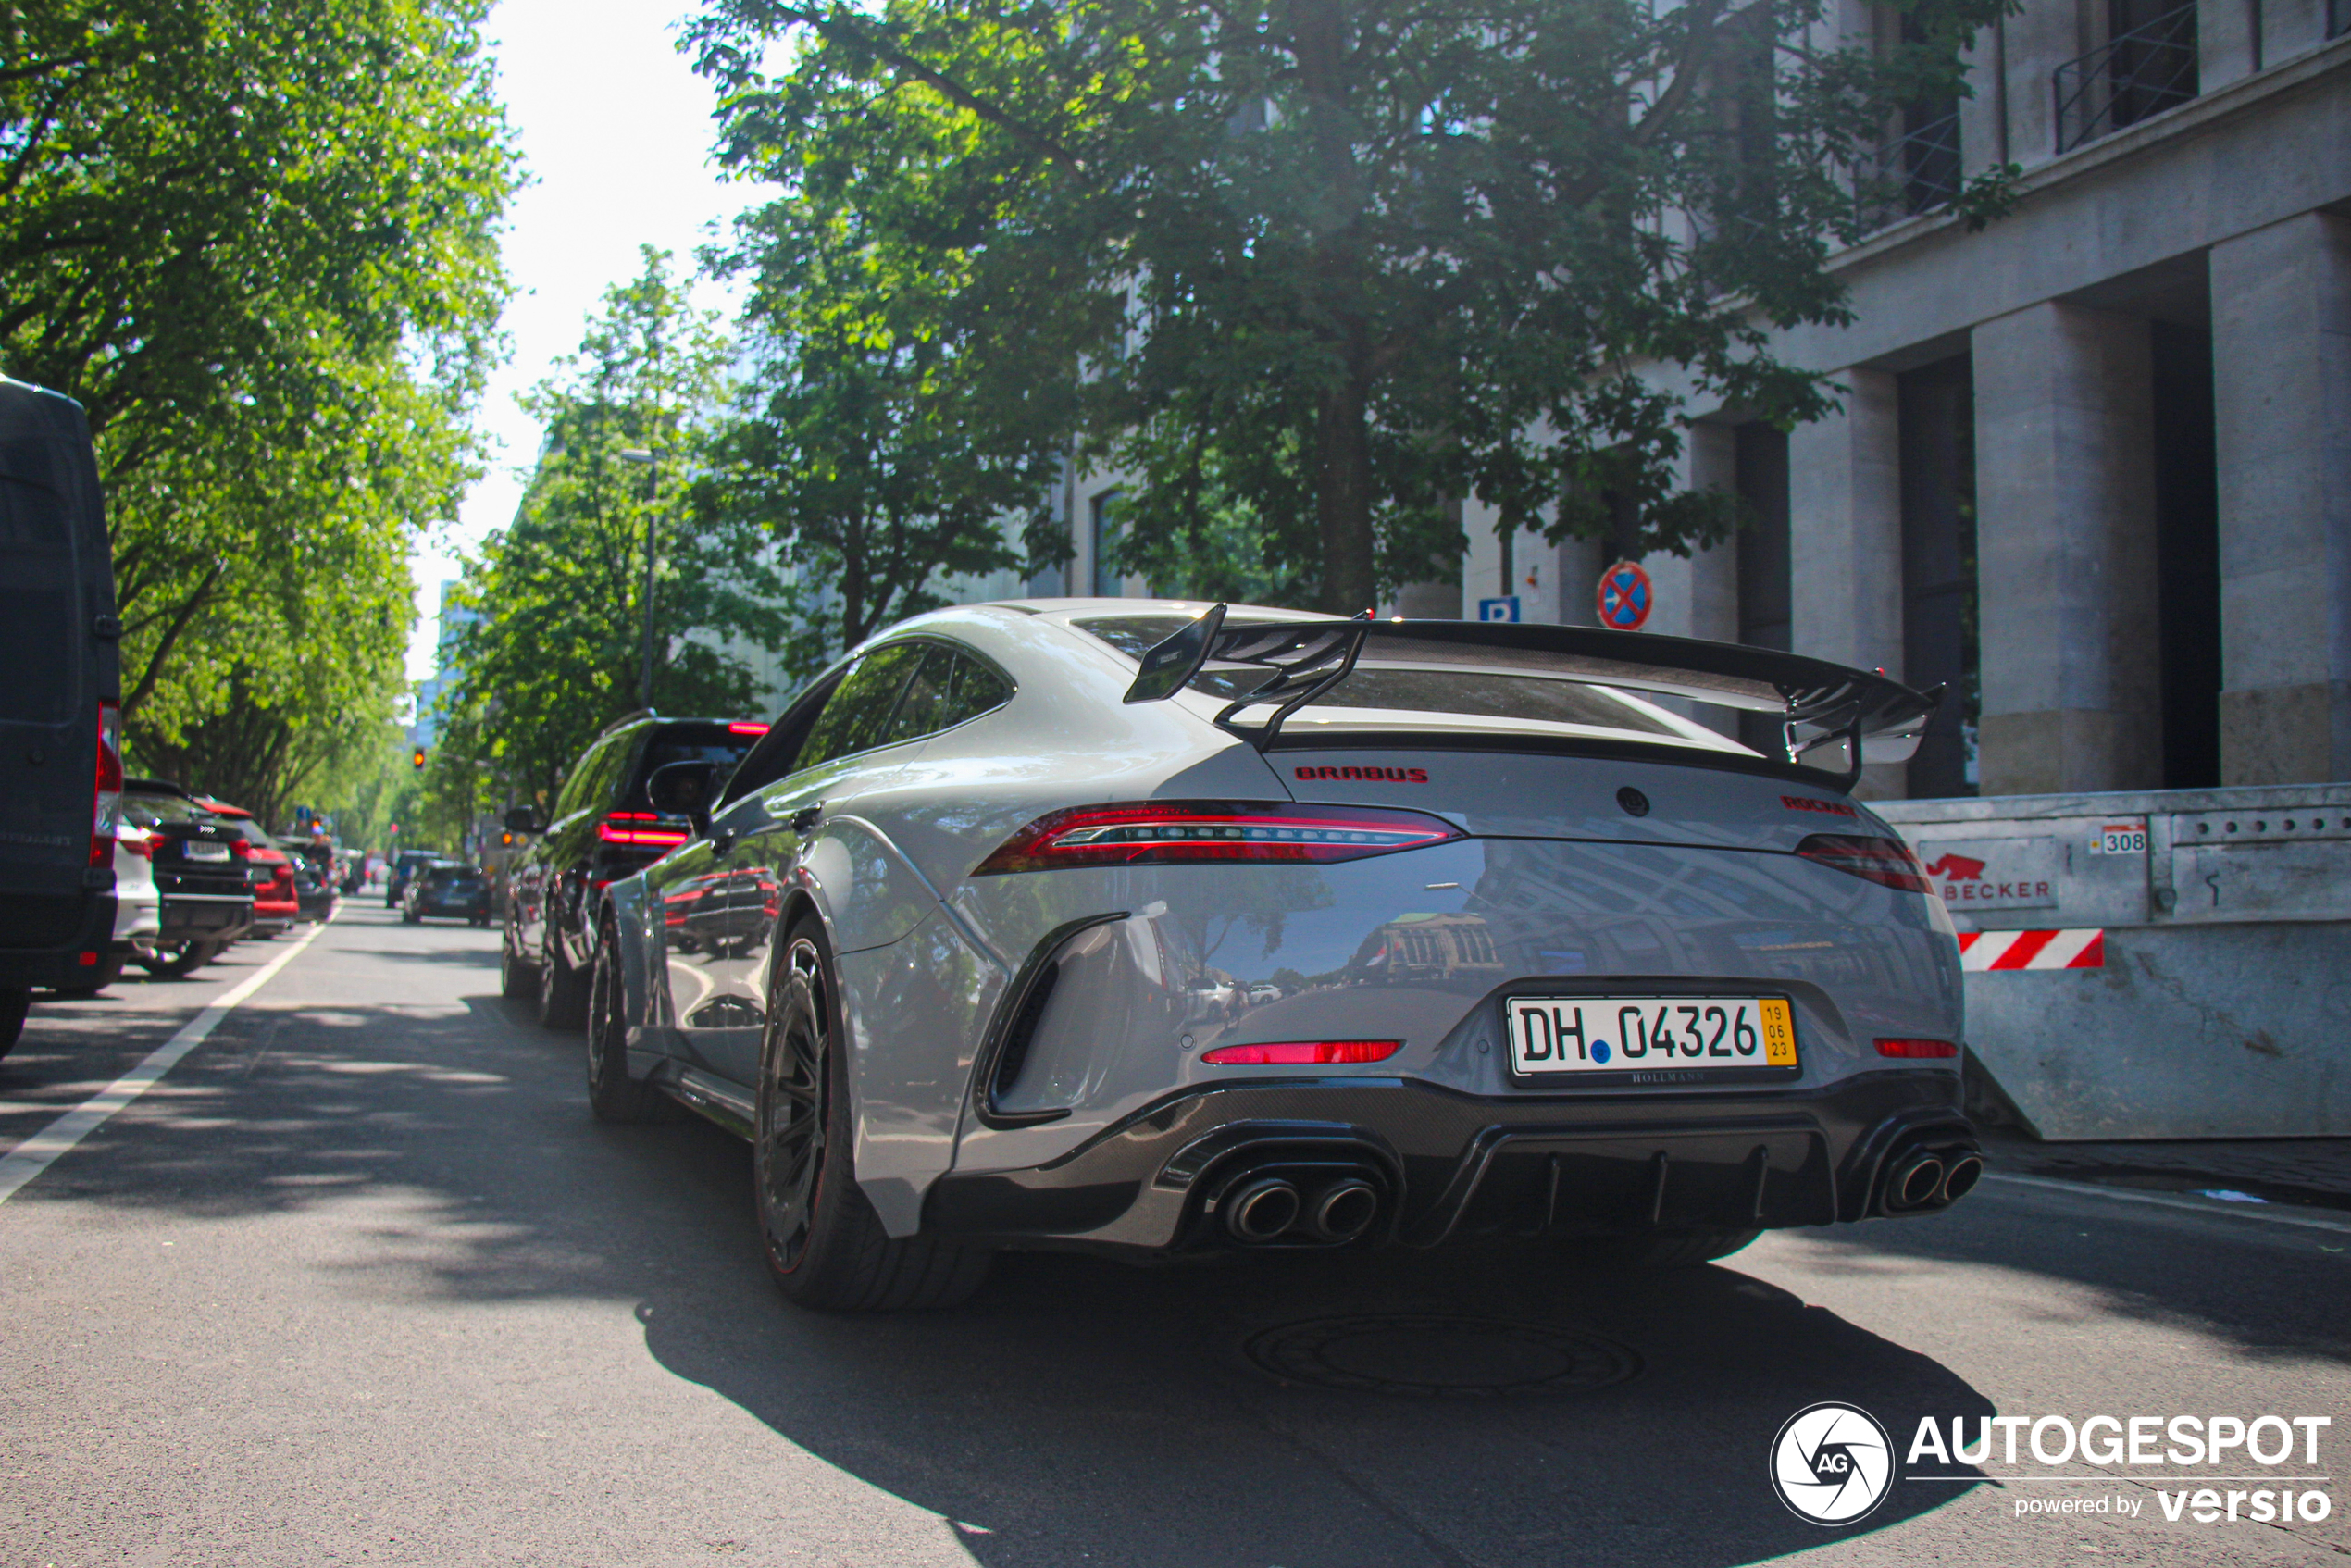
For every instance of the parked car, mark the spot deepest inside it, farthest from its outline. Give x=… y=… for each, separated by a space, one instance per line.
x=403 y=866
x=60 y=725
x=138 y=910
x=275 y=903
x=604 y=827
x=458 y=892
x=203 y=874
x=1020 y=845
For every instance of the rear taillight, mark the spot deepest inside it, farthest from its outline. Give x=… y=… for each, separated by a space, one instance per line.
x=138 y=841
x=1302 y=1052
x=746 y=730
x=1917 y=1050
x=1195 y=832
x=622 y=827
x=1886 y=861
x=106 y=807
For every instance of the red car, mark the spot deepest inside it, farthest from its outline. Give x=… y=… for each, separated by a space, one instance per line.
x=275 y=903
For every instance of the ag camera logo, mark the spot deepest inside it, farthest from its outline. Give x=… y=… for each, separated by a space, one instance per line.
x=1832 y=1463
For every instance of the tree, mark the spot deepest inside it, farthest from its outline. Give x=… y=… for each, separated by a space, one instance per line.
x=1341 y=260
x=258 y=244
x=862 y=444
x=549 y=651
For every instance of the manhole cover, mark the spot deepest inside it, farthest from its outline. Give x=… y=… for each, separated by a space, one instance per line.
x=1409 y=1354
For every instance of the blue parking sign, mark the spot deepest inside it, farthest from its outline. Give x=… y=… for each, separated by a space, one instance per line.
x=1498 y=609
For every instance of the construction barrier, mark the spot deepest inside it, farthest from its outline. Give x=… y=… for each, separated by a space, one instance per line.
x=2157 y=964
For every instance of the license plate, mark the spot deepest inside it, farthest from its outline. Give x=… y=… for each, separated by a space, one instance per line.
x=197 y=849
x=1615 y=1034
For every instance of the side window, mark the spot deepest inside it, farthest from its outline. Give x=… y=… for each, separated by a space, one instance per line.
x=977 y=690
x=948 y=689
x=926 y=695
x=858 y=715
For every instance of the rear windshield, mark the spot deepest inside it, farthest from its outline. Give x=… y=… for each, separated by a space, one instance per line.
x=252 y=831
x=37 y=591
x=446 y=875
x=685 y=743
x=150 y=810
x=1477 y=693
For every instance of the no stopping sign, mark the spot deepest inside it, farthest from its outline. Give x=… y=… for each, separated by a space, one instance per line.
x=1625 y=597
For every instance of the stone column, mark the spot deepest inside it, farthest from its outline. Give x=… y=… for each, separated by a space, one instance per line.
x=2281 y=395
x=2065 y=552
x=1845 y=539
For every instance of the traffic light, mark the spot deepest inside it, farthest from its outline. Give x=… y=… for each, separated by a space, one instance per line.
x=418 y=756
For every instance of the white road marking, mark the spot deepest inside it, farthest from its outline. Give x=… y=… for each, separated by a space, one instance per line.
x=36 y=1153
x=2273 y=1213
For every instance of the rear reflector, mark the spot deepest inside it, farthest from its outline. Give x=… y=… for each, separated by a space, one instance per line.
x=1194 y=832
x=746 y=730
x=1302 y=1052
x=1886 y=861
x=1917 y=1050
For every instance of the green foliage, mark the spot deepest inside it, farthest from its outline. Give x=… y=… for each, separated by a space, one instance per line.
x=863 y=441
x=1321 y=264
x=258 y=241
x=551 y=646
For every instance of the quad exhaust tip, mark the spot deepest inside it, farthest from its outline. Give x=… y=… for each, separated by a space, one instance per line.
x=1916 y=1181
x=1930 y=1174
x=1260 y=1210
x=1344 y=1210
x=1960 y=1176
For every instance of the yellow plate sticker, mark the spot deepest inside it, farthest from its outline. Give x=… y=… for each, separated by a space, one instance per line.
x=1779 y=1032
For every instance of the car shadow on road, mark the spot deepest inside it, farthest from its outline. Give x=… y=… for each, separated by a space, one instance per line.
x=1083 y=1411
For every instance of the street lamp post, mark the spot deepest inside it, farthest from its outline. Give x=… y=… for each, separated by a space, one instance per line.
x=651 y=458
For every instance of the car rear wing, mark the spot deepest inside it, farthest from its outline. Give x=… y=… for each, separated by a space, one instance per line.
x=1833 y=719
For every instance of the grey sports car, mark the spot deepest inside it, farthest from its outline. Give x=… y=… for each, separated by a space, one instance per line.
x=1148 y=929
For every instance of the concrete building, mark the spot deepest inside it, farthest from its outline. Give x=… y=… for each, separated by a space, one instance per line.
x=2093 y=467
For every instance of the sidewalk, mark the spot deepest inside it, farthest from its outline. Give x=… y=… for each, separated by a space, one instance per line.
x=2304 y=1172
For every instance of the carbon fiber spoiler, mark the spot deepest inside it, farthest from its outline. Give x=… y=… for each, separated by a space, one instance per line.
x=1833 y=719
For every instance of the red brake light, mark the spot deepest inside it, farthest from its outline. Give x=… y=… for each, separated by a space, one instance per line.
x=138 y=841
x=1302 y=1052
x=746 y=730
x=105 y=802
x=1191 y=832
x=1916 y=1049
x=1886 y=861
x=613 y=831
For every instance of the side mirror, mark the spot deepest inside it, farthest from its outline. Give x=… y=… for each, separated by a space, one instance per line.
x=685 y=788
x=524 y=819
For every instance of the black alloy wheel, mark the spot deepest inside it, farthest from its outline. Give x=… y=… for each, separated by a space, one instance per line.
x=613 y=1095
x=563 y=991
x=515 y=977
x=824 y=1243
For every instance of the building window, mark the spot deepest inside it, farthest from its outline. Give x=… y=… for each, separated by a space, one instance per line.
x=1105 y=536
x=1939 y=638
x=2147 y=65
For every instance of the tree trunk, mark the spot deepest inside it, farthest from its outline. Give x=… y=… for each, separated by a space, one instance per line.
x=1343 y=498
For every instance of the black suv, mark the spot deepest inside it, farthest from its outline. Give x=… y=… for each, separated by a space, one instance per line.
x=60 y=715
x=204 y=874
x=603 y=828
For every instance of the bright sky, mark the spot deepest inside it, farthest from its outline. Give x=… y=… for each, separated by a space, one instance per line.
x=616 y=133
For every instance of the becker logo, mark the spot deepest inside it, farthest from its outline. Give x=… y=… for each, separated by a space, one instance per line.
x=1369 y=775
x=1962 y=881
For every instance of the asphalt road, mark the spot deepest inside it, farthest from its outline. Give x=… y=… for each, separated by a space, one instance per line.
x=359 y=1281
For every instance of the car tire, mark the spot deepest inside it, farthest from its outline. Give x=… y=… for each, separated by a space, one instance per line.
x=108 y=970
x=1657 y=1249
x=612 y=1093
x=563 y=991
x=823 y=1241
x=515 y=977
x=15 y=1003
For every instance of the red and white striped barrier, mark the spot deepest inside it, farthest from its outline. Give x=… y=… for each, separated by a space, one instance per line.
x=1981 y=951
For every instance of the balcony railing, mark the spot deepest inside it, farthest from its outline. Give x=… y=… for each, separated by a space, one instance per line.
x=1910 y=175
x=2138 y=73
